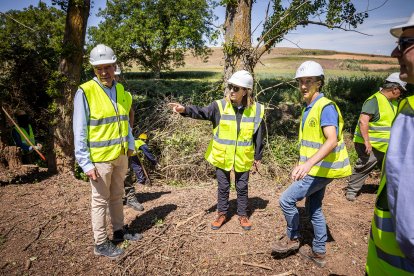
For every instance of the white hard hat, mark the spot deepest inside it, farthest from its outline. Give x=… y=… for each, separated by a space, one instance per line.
x=397 y=30
x=395 y=78
x=102 y=54
x=242 y=78
x=309 y=69
x=118 y=71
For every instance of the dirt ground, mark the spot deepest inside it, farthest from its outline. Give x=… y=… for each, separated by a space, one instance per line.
x=45 y=230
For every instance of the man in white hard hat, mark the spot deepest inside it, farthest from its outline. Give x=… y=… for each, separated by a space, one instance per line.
x=323 y=157
x=103 y=139
x=391 y=242
x=237 y=142
x=373 y=131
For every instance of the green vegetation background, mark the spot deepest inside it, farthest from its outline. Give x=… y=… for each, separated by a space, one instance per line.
x=180 y=142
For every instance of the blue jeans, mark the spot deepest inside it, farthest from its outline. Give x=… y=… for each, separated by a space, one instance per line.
x=313 y=188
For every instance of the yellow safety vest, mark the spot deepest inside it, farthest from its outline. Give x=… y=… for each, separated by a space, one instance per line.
x=227 y=149
x=129 y=100
x=138 y=144
x=311 y=138
x=29 y=135
x=379 y=131
x=384 y=254
x=107 y=127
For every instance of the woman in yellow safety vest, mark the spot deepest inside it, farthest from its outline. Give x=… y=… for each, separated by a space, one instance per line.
x=237 y=141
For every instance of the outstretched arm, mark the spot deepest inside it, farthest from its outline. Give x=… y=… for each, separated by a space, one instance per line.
x=210 y=112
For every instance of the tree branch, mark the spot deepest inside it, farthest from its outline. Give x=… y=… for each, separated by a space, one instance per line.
x=330 y=26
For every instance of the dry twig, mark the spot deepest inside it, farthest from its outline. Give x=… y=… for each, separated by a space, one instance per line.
x=190 y=218
x=256 y=265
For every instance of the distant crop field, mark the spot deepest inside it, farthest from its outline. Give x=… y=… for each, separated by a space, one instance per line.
x=282 y=63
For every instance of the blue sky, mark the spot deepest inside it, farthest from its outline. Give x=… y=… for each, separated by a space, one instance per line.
x=393 y=12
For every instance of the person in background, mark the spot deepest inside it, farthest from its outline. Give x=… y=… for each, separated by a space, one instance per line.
x=129 y=189
x=103 y=139
x=373 y=131
x=323 y=157
x=141 y=148
x=237 y=141
x=24 y=124
x=391 y=241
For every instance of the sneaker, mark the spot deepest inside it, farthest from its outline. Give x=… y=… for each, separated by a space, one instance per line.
x=121 y=235
x=108 y=249
x=219 y=221
x=308 y=253
x=285 y=245
x=245 y=223
x=350 y=197
x=134 y=204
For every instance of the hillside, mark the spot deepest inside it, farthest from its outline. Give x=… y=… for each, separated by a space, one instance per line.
x=287 y=60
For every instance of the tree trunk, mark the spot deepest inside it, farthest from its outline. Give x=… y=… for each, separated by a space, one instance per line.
x=238 y=46
x=70 y=67
x=12 y=156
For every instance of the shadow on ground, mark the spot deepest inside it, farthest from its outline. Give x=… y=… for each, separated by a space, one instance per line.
x=151 y=218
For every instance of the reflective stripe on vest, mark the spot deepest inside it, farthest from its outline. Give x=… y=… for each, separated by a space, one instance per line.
x=29 y=135
x=107 y=127
x=311 y=138
x=379 y=131
x=384 y=254
x=227 y=149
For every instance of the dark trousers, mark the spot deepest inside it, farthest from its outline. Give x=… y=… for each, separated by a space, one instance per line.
x=223 y=191
x=365 y=164
x=129 y=183
x=137 y=167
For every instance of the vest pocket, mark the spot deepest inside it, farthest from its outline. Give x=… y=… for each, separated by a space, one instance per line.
x=246 y=133
x=219 y=152
x=249 y=154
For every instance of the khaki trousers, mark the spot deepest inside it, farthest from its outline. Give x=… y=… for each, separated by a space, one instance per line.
x=107 y=193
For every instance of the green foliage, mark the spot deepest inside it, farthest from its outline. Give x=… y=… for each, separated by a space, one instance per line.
x=158 y=222
x=30 y=47
x=287 y=16
x=79 y=174
x=175 y=183
x=351 y=93
x=155 y=34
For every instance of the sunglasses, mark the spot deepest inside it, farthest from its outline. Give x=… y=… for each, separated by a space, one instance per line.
x=404 y=42
x=234 y=88
x=307 y=82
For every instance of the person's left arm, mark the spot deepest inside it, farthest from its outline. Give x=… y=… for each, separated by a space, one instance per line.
x=148 y=154
x=329 y=124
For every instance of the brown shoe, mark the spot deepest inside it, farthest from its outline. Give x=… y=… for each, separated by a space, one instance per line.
x=317 y=258
x=285 y=245
x=245 y=223
x=219 y=221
